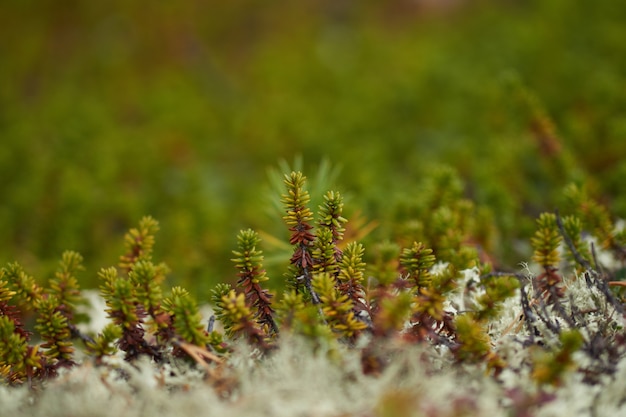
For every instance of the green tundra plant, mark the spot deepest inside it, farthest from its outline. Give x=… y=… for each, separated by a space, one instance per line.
x=337 y=308
x=452 y=226
x=142 y=321
x=458 y=311
x=546 y=253
x=251 y=276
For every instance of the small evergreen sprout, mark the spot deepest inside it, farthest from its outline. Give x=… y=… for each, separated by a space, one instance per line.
x=324 y=252
x=139 y=243
x=416 y=262
x=497 y=289
x=298 y=220
x=54 y=328
x=448 y=231
x=429 y=303
x=429 y=319
x=251 y=275
x=238 y=313
x=473 y=340
x=5 y=293
x=122 y=308
x=104 y=342
x=186 y=317
x=18 y=360
x=329 y=217
x=352 y=274
x=289 y=308
x=10 y=311
x=64 y=286
x=27 y=292
x=594 y=216
x=146 y=279
x=120 y=299
x=336 y=307
x=217 y=299
x=473 y=343
x=303 y=319
x=546 y=243
x=216 y=338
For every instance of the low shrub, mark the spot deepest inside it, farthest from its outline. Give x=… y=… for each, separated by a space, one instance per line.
x=427 y=329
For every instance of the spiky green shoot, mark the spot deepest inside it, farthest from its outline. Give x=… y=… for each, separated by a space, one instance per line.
x=417 y=261
x=251 y=274
x=186 y=317
x=546 y=241
x=298 y=220
x=139 y=243
x=336 y=307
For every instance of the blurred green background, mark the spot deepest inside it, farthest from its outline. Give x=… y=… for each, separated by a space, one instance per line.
x=177 y=109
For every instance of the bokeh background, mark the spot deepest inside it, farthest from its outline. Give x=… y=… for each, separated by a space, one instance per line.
x=184 y=110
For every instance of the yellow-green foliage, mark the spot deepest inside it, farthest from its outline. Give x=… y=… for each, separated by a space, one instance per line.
x=351 y=275
x=103 y=344
x=443 y=220
x=5 y=293
x=546 y=241
x=248 y=257
x=217 y=299
x=329 y=215
x=19 y=360
x=496 y=291
x=303 y=318
x=26 y=289
x=13 y=347
x=236 y=311
x=64 y=286
x=186 y=317
x=473 y=339
x=417 y=261
x=139 y=243
x=594 y=216
x=296 y=200
x=121 y=304
x=337 y=307
x=384 y=267
x=147 y=279
x=129 y=124
x=429 y=301
x=111 y=110
x=550 y=366
x=324 y=253
x=298 y=217
x=53 y=327
x=352 y=267
x=251 y=275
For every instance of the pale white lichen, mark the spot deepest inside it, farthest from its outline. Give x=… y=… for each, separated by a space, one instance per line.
x=299 y=380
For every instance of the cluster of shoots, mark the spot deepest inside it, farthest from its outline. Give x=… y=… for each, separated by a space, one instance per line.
x=332 y=297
